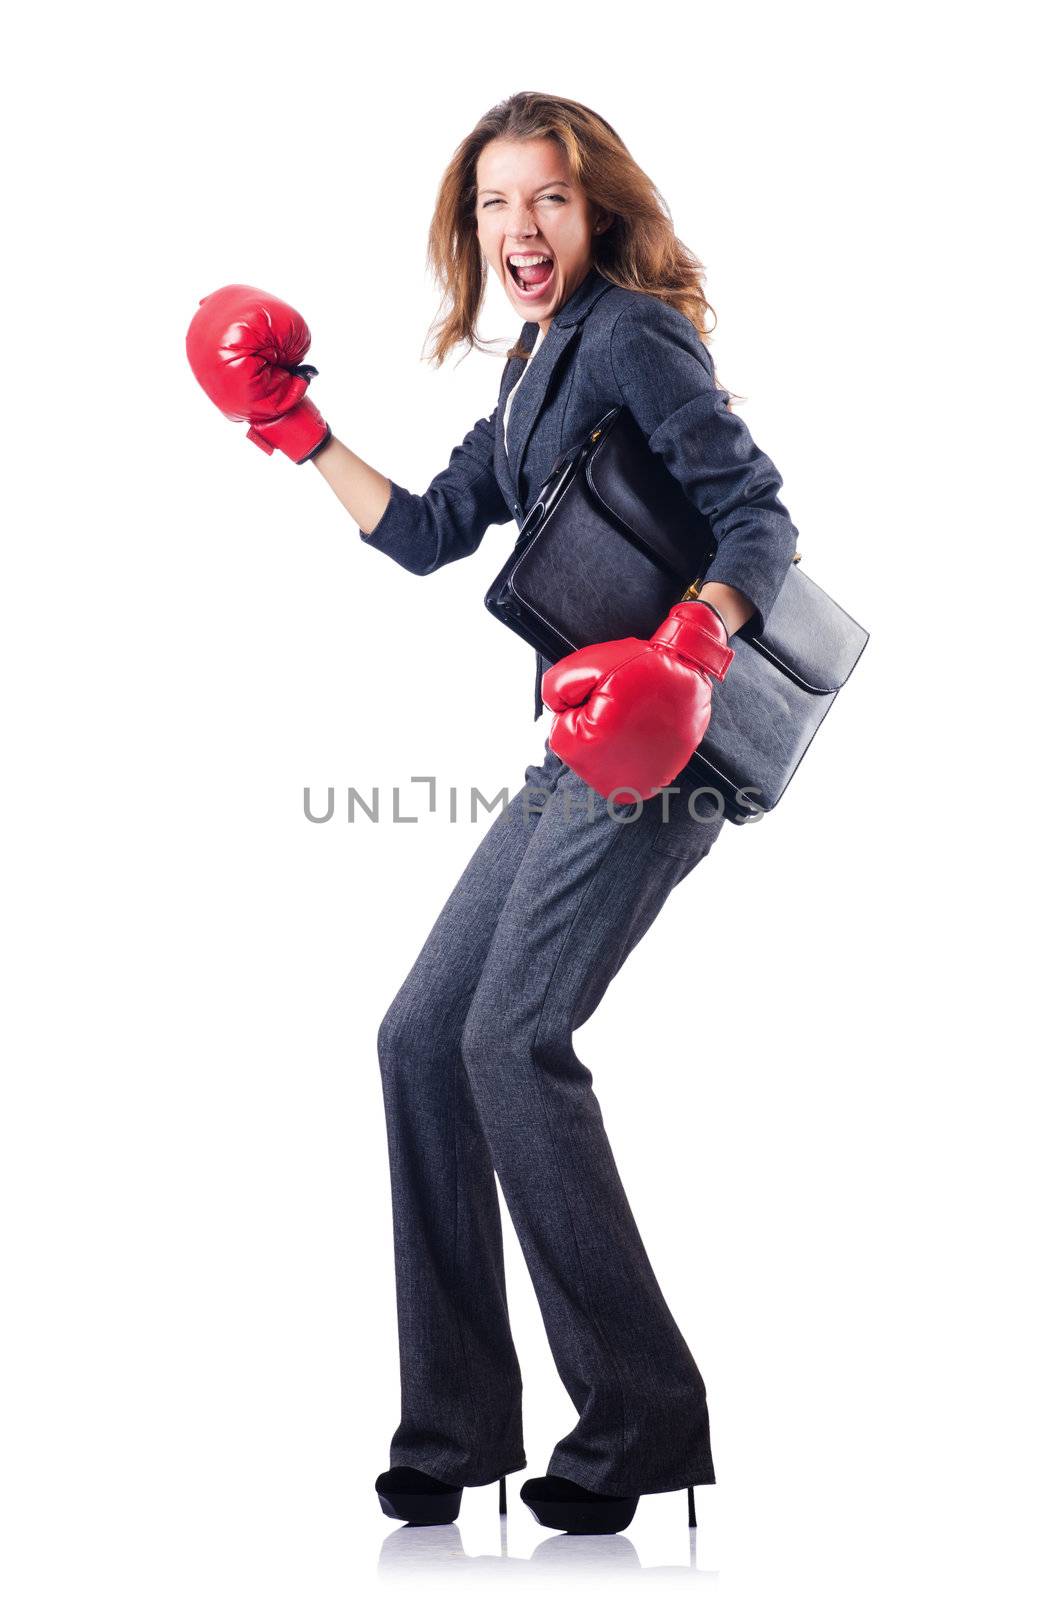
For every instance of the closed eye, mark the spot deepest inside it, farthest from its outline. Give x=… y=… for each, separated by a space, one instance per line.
x=561 y=197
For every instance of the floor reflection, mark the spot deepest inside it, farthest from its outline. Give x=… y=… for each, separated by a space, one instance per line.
x=439 y=1551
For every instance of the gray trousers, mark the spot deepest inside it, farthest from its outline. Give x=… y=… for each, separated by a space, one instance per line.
x=480 y=1076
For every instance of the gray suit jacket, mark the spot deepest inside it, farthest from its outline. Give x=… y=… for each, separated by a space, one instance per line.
x=606 y=346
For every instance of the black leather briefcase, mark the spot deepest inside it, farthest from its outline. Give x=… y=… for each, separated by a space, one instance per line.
x=610 y=544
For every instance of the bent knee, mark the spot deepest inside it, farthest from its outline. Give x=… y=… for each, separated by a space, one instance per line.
x=413 y=1032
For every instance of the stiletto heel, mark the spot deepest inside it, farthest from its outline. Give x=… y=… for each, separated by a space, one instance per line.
x=503 y=1500
x=691 y=1508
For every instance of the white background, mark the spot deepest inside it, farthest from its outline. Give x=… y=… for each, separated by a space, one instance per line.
x=825 y=1072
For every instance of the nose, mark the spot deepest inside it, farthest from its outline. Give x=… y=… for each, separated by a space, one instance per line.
x=528 y=225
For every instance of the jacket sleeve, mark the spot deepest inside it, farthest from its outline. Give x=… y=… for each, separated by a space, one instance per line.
x=422 y=532
x=665 y=375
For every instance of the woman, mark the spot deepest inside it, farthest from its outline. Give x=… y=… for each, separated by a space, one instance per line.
x=478 y=1067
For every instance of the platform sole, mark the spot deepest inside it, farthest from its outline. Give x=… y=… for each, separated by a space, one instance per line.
x=584 y=1516
x=422 y=1510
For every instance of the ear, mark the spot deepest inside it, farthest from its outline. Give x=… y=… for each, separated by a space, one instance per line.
x=603 y=222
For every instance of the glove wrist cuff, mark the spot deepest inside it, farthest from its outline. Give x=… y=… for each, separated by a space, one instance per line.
x=697 y=633
x=299 y=433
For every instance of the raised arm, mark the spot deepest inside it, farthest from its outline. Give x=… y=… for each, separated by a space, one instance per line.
x=247 y=349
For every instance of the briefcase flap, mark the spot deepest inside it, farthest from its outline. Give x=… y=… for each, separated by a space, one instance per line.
x=808 y=636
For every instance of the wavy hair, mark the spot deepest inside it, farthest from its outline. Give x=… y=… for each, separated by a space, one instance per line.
x=639 y=250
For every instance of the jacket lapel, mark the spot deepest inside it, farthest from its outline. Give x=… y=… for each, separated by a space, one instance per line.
x=532 y=392
x=509 y=378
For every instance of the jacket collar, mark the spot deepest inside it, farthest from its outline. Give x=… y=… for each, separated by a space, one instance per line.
x=574 y=309
x=578 y=305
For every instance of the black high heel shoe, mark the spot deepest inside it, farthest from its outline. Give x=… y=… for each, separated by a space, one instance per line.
x=558 y=1503
x=415 y=1497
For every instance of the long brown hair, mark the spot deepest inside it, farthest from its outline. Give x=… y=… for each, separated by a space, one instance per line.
x=639 y=250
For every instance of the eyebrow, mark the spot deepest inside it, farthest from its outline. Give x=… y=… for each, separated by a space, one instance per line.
x=554 y=183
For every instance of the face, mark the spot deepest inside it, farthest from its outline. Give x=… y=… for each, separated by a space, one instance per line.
x=528 y=206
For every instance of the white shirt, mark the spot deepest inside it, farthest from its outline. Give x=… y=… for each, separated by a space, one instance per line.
x=512 y=391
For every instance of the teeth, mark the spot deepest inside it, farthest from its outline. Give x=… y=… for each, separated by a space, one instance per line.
x=528 y=261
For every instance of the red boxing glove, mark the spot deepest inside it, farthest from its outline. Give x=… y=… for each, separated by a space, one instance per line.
x=632 y=711
x=246 y=348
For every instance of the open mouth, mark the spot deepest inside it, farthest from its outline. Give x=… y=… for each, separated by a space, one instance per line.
x=530 y=273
